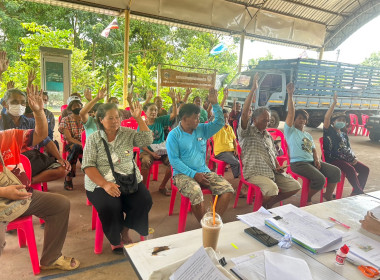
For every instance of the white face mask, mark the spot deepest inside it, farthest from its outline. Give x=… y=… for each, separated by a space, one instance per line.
x=16 y=110
x=45 y=105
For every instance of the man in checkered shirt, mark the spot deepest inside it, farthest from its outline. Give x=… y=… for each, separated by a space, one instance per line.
x=260 y=165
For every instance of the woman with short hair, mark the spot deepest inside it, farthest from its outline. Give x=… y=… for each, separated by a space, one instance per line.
x=100 y=184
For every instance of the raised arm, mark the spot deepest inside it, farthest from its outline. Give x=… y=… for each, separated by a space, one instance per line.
x=136 y=114
x=130 y=99
x=187 y=94
x=326 y=122
x=36 y=103
x=248 y=103
x=87 y=108
x=31 y=76
x=149 y=96
x=290 y=117
x=4 y=62
x=172 y=95
x=225 y=96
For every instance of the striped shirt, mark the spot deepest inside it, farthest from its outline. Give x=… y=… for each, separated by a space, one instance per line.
x=258 y=152
x=121 y=150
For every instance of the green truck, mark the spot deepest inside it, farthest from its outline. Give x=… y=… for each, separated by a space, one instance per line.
x=316 y=81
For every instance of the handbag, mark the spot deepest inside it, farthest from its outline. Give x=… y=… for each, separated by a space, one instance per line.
x=11 y=209
x=128 y=183
x=39 y=161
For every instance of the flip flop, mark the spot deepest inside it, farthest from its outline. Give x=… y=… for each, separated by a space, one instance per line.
x=165 y=191
x=68 y=185
x=62 y=263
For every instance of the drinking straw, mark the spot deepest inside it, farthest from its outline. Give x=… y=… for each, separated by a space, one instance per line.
x=213 y=210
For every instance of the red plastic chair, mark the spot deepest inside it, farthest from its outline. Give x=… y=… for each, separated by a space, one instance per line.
x=364 y=130
x=25 y=233
x=340 y=185
x=276 y=133
x=153 y=169
x=131 y=123
x=83 y=140
x=63 y=107
x=28 y=171
x=185 y=206
x=99 y=234
x=354 y=124
x=234 y=126
x=24 y=225
x=213 y=161
x=251 y=188
x=63 y=141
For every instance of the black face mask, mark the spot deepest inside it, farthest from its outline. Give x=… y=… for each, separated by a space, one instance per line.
x=76 y=111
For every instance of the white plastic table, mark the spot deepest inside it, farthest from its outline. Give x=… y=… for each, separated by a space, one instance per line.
x=347 y=210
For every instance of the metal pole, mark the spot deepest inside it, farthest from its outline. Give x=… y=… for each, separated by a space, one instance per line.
x=321 y=51
x=242 y=38
x=127 y=14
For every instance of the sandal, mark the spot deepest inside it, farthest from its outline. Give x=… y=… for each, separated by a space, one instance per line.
x=68 y=185
x=62 y=263
x=165 y=191
x=118 y=250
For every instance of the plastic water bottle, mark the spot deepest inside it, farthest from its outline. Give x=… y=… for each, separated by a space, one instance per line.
x=341 y=254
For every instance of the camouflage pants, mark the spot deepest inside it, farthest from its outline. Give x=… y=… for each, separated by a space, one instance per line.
x=190 y=188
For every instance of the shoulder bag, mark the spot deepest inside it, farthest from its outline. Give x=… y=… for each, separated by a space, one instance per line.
x=128 y=183
x=11 y=209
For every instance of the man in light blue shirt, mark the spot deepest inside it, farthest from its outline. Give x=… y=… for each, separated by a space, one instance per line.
x=186 y=147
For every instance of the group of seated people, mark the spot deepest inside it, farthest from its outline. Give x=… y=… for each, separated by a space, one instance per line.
x=116 y=185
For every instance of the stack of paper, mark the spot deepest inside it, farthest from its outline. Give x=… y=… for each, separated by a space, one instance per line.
x=364 y=248
x=305 y=232
x=376 y=212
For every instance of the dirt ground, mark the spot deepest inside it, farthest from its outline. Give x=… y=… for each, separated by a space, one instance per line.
x=80 y=238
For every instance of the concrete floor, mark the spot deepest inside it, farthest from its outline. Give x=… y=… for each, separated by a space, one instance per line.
x=80 y=238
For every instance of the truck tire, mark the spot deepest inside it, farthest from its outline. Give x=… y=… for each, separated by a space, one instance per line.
x=374 y=137
x=274 y=119
x=313 y=122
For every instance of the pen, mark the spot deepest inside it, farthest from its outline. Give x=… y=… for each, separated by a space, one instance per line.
x=339 y=223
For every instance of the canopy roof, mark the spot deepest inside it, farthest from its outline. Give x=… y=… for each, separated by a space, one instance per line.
x=310 y=24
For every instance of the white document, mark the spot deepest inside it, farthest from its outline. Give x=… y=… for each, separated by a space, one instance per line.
x=257 y=219
x=250 y=266
x=307 y=231
x=198 y=266
x=278 y=266
x=364 y=248
x=376 y=212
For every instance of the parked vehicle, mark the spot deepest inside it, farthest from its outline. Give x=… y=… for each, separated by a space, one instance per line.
x=373 y=125
x=315 y=81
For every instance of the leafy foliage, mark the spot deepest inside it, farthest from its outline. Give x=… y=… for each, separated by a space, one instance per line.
x=25 y=26
x=373 y=60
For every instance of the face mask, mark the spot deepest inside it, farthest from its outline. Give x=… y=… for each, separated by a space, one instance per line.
x=45 y=106
x=76 y=111
x=339 y=125
x=16 y=110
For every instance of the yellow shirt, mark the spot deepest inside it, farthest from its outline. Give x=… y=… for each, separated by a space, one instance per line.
x=224 y=140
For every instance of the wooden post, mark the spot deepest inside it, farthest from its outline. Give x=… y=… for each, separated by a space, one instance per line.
x=321 y=51
x=127 y=15
x=242 y=38
x=158 y=79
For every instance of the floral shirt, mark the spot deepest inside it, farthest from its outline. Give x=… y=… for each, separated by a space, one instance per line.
x=121 y=150
x=336 y=146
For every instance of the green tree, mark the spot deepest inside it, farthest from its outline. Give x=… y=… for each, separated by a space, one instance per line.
x=373 y=60
x=253 y=62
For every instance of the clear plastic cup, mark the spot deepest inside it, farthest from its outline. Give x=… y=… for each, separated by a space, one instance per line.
x=210 y=232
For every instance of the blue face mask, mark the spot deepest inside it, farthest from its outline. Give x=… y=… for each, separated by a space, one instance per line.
x=339 y=125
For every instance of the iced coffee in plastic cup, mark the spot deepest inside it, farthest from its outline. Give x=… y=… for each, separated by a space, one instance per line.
x=211 y=231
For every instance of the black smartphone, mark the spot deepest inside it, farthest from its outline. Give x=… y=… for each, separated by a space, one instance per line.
x=261 y=236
